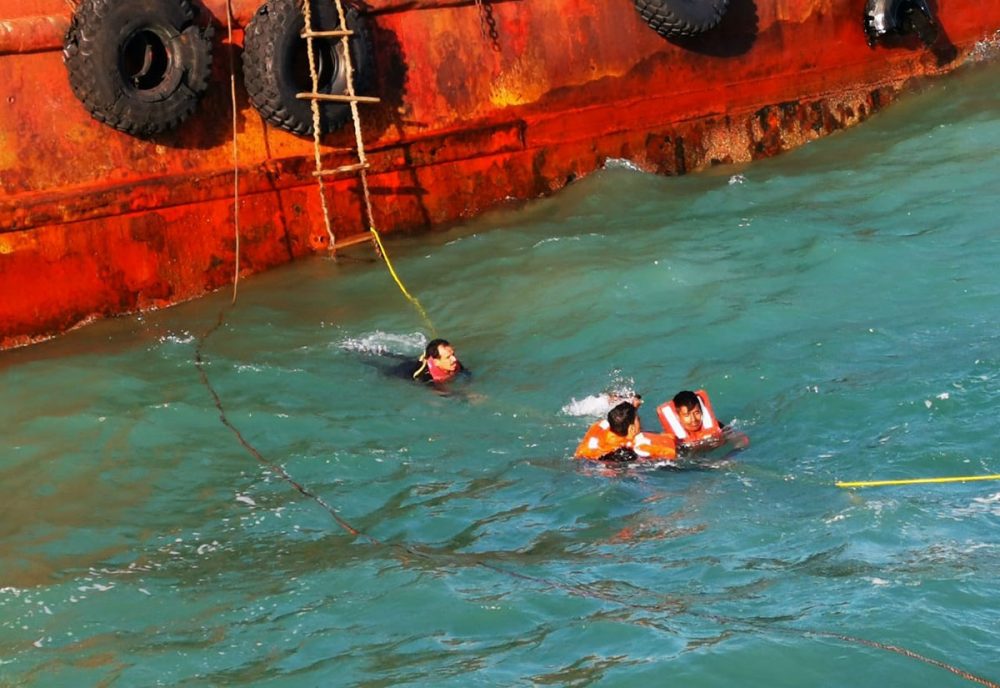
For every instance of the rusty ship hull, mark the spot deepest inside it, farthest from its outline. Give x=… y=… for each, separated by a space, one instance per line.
x=479 y=103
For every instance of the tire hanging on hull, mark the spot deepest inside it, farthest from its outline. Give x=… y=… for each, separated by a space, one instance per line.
x=681 y=18
x=276 y=64
x=883 y=17
x=140 y=66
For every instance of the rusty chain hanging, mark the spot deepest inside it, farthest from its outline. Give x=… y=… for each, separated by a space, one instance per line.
x=488 y=23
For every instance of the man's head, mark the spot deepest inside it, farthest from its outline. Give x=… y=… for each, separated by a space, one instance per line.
x=688 y=410
x=442 y=353
x=623 y=420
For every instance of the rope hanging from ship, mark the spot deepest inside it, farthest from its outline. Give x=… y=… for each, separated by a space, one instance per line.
x=220 y=319
x=347 y=35
x=316 y=114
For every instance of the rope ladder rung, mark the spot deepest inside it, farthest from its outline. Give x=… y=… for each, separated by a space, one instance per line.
x=336 y=33
x=335 y=97
x=352 y=241
x=340 y=149
x=342 y=32
x=343 y=169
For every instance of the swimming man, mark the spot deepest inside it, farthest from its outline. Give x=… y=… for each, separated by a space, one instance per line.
x=438 y=364
x=618 y=438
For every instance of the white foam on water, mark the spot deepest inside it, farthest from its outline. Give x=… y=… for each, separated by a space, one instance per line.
x=248 y=368
x=379 y=342
x=182 y=338
x=989 y=505
x=551 y=240
x=621 y=164
x=594 y=405
x=987 y=49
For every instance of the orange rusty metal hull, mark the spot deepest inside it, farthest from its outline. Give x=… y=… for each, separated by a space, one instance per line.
x=95 y=223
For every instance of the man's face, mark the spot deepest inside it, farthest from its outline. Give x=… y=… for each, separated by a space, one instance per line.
x=446 y=358
x=690 y=417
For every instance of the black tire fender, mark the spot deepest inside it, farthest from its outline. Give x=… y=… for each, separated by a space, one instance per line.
x=681 y=18
x=276 y=66
x=140 y=66
x=883 y=17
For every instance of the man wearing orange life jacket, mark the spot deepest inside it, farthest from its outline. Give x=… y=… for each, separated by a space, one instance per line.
x=690 y=420
x=617 y=438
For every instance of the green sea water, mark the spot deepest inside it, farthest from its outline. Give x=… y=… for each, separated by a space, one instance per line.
x=840 y=303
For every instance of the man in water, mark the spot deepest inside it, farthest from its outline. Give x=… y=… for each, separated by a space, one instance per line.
x=438 y=364
x=618 y=438
x=691 y=421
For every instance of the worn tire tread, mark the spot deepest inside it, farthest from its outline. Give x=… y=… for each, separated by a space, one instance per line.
x=263 y=57
x=680 y=19
x=91 y=44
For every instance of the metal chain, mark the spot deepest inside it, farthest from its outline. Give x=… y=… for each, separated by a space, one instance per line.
x=488 y=23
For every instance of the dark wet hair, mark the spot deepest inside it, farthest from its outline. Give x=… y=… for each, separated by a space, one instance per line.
x=621 y=417
x=686 y=399
x=432 y=350
x=620 y=455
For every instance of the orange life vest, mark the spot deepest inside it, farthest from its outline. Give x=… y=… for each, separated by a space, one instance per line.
x=601 y=441
x=710 y=428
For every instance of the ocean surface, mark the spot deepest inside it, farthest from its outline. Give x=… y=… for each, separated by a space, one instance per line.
x=327 y=524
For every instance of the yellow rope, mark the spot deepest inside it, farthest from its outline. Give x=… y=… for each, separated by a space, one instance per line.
x=399 y=283
x=917 y=481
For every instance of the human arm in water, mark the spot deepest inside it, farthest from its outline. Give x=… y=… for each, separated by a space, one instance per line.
x=730 y=437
